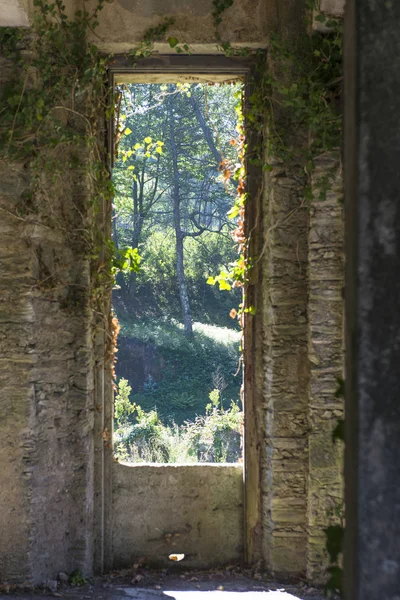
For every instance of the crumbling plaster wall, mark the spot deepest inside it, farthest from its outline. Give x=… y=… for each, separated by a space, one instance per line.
x=54 y=479
x=47 y=370
x=326 y=360
x=195 y=510
x=299 y=325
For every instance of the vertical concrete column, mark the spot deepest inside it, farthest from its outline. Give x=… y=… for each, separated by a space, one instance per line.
x=325 y=351
x=372 y=201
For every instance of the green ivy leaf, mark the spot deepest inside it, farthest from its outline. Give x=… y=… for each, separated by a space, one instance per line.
x=338 y=432
x=334 y=541
x=172 y=42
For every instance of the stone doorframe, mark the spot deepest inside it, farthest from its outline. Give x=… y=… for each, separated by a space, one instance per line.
x=181 y=68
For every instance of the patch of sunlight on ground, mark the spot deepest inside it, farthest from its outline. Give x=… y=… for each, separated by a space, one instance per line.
x=228 y=595
x=219 y=334
x=214 y=595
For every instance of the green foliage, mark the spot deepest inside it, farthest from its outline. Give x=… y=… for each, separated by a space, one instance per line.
x=302 y=95
x=152 y=35
x=123 y=408
x=335 y=532
x=126 y=260
x=214 y=437
x=334 y=545
x=314 y=71
x=184 y=370
x=338 y=432
x=76 y=579
x=220 y=6
x=65 y=66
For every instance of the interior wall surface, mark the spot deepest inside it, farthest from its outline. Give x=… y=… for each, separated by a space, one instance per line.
x=47 y=360
x=195 y=510
x=326 y=361
x=57 y=475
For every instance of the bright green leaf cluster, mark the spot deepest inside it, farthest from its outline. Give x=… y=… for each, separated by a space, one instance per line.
x=126 y=260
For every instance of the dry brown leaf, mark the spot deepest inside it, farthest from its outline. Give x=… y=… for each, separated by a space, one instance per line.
x=176 y=557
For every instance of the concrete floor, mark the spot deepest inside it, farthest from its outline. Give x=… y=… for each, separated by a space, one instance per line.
x=123 y=593
x=145 y=584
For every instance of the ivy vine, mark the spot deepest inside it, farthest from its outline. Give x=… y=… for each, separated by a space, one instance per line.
x=59 y=91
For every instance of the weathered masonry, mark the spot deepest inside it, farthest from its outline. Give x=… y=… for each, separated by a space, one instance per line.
x=64 y=502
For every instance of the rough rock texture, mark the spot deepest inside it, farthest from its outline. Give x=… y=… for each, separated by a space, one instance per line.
x=325 y=351
x=63 y=503
x=284 y=471
x=332 y=7
x=17 y=360
x=47 y=401
x=14 y=13
x=196 y=510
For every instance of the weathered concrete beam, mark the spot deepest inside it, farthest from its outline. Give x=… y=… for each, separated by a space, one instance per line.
x=13 y=13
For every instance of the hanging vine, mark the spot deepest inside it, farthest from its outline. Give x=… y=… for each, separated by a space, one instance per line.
x=53 y=105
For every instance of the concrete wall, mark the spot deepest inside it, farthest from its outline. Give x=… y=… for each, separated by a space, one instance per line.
x=47 y=370
x=326 y=355
x=58 y=479
x=14 y=13
x=196 y=510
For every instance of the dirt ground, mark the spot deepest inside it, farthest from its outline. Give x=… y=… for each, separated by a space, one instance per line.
x=144 y=584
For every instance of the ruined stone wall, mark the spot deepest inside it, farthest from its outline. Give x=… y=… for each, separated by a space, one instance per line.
x=63 y=503
x=195 y=510
x=47 y=399
x=17 y=361
x=326 y=356
x=285 y=373
x=300 y=320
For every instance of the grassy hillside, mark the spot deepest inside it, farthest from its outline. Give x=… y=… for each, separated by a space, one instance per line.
x=192 y=368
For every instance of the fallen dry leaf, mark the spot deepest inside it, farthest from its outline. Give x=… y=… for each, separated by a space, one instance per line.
x=176 y=557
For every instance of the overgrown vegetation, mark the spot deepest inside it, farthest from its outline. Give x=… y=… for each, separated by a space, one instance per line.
x=176 y=146
x=335 y=532
x=51 y=108
x=176 y=374
x=141 y=436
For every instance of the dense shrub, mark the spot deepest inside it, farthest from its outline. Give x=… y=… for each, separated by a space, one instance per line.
x=142 y=436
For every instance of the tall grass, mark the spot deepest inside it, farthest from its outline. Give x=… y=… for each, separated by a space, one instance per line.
x=141 y=436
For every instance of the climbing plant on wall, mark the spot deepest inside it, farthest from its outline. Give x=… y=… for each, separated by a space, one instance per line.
x=54 y=104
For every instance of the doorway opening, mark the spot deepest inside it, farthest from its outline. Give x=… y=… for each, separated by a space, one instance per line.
x=179 y=375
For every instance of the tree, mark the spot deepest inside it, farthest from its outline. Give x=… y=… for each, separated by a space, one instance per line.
x=167 y=175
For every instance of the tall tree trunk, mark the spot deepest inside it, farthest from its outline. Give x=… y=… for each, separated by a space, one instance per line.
x=179 y=235
x=208 y=134
x=120 y=281
x=180 y=271
x=138 y=220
